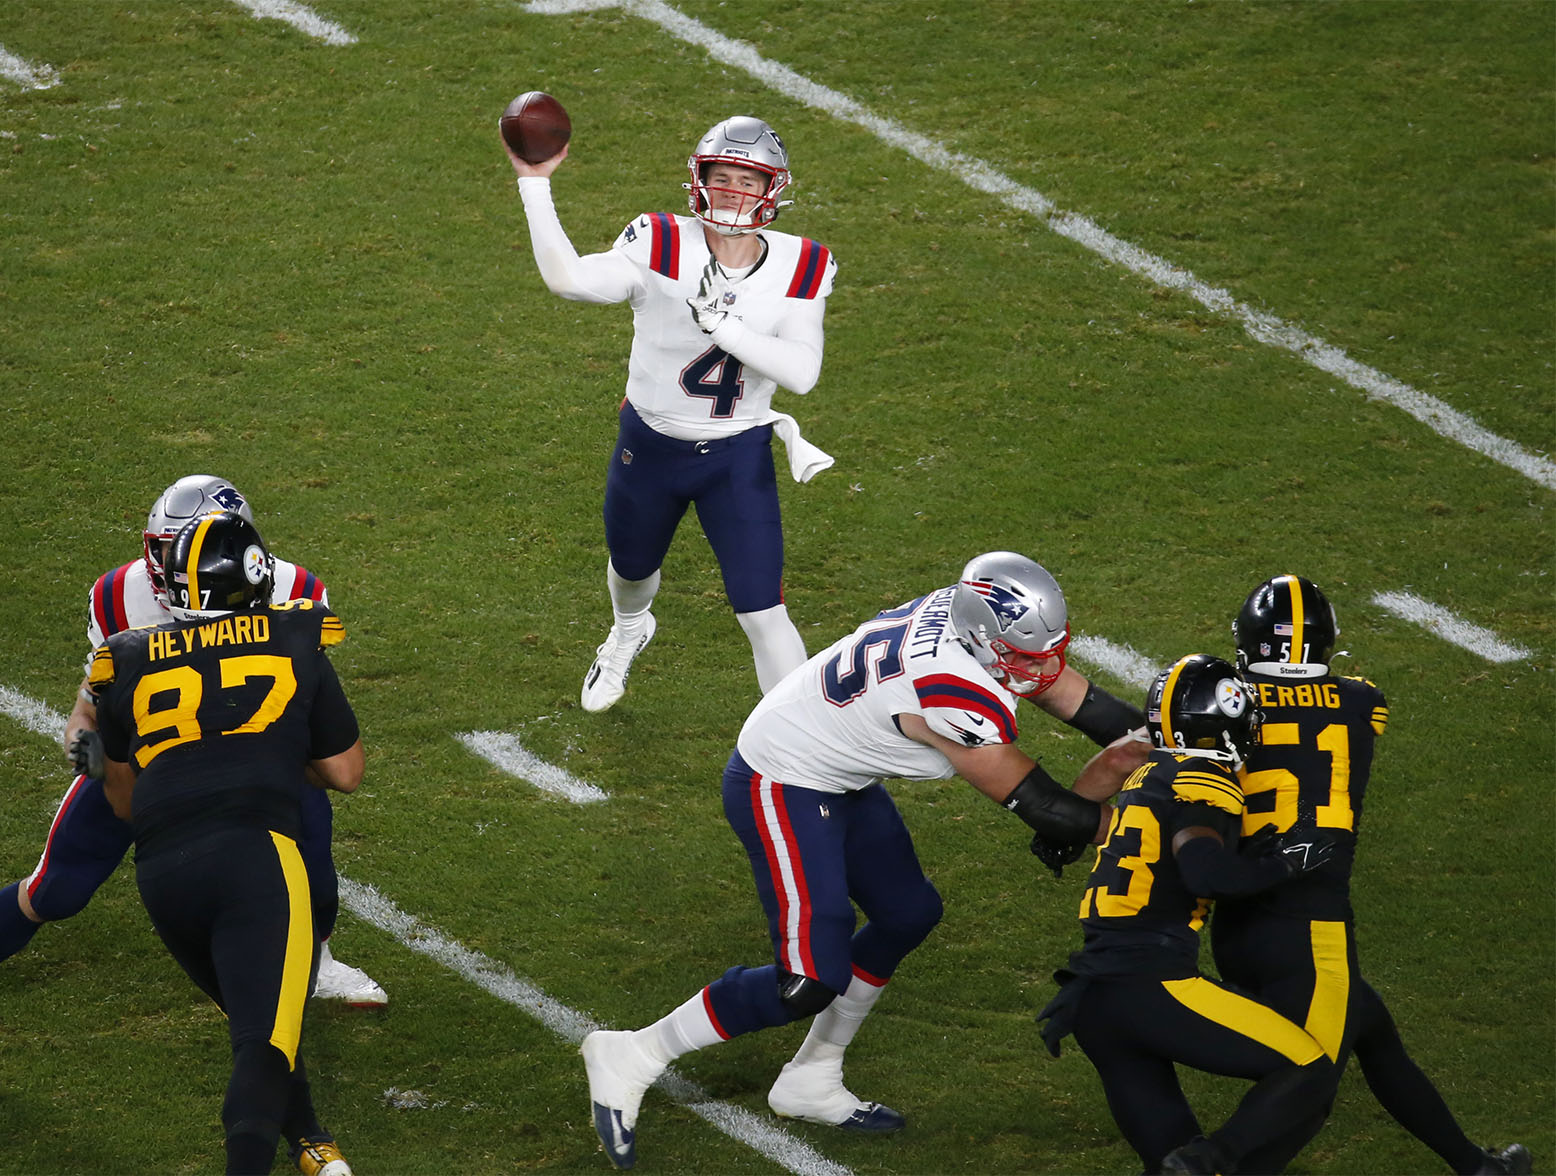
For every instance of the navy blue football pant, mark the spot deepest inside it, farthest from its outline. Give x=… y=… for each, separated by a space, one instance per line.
x=654 y=478
x=87 y=842
x=814 y=855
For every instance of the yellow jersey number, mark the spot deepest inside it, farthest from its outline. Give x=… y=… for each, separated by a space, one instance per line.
x=169 y=700
x=1335 y=739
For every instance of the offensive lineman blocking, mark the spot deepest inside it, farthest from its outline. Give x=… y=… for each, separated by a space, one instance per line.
x=924 y=691
x=724 y=311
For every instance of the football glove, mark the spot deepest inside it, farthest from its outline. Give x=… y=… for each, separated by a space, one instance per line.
x=708 y=307
x=1055 y=855
x=86 y=754
x=1301 y=848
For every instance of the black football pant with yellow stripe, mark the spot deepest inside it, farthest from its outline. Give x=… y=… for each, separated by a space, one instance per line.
x=233 y=909
x=1136 y=1031
x=1307 y=969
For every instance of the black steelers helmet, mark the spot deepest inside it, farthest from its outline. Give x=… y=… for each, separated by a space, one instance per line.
x=217 y=564
x=1286 y=629
x=1201 y=706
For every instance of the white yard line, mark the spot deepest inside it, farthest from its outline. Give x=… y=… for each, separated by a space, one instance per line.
x=1124 y=663
x=1266 y=328
x=505 y=752
x=1441 y=623
x=25 y=73
x=300 y=17
x=739 y=1124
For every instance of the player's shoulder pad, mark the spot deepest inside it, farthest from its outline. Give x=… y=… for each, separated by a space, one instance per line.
x=653 y=240
x=100 y=671
x=965 y=710
x=295 y=582
x=814 y=268
x=1379 y=716
x=332 y=630
x=1202 y=781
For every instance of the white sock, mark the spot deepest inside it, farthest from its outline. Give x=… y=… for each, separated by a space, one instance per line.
x=630 y=599
x=776 y=645
x=680 y=1031
x=834 y=1026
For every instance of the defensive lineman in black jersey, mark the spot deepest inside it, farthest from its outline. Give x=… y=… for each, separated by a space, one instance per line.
x=1134 y=996
x=212 y=726
x=1295 y=946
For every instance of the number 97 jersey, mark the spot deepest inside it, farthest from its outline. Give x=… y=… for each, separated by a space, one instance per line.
x=831 y=724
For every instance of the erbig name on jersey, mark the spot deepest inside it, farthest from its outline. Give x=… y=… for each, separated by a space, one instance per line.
x=904 y=661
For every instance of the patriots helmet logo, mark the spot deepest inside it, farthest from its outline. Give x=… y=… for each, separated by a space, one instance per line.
x=230 y=499
x=1007 y=608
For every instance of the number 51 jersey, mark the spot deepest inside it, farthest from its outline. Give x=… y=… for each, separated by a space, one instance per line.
x=830 y=725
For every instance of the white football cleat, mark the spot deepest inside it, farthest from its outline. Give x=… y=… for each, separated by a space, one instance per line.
x=620 y=1072
x=816 y=1094
x=342 y=982
x=606 y=680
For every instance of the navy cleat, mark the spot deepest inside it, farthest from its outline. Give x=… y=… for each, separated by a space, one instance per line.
x=620 y=1144
x=620 y=1072
x=815 y=1093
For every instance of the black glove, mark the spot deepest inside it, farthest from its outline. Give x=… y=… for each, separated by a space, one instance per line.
x=1055 y=855
x=1301 y=848
x=86 y=754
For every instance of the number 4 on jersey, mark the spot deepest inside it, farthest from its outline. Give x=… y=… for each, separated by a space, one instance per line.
x=715 y=375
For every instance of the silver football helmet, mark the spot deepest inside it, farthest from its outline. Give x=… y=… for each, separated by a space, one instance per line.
x=188 y=498
x=1009 y=612
x=742 y=141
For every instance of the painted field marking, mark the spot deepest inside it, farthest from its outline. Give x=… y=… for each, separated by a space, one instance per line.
x=300 y=17
x=32 y=714
x=25 y=73
x=1441 y=623
x=1124 y=663
x=505 y=752
x=739 y=1124
x=1262 y=326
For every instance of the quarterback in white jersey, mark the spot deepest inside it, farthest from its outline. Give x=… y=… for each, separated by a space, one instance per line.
x=86 y=841
x=924 y=691
x=725 y=311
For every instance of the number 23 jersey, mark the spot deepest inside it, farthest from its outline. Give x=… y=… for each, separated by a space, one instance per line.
x=830 y=725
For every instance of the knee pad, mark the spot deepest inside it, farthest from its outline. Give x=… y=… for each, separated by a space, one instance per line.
x=801 y=996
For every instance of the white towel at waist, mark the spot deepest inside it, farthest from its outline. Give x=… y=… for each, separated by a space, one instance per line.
x=805 y=459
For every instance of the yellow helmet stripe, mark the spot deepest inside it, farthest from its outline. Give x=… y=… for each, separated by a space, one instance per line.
x=1168 y=738
x=194 y=559
x=1298 y=645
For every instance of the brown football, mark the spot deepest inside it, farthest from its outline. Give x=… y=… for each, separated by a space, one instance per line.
x=535 y=126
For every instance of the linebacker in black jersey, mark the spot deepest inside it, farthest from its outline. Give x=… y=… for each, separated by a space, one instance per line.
x=1134 y=996
x=1295 y=946
x=212 y=726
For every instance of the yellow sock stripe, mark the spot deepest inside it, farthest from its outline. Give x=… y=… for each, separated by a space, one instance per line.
x=1241 y=1015
x=1331 y=988
x=194 y=560
x=288 y=1028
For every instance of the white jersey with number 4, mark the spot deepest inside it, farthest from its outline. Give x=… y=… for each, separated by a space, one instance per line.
x=830 y=724
x=695 y=386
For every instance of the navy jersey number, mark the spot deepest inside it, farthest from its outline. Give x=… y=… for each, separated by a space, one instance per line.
x=843 y=683
x=715 y=375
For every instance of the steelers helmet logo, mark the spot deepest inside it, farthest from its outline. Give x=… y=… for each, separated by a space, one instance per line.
x=1231 y=698
x=254 y=563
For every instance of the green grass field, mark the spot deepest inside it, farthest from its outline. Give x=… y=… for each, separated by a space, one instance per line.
x=228 y=246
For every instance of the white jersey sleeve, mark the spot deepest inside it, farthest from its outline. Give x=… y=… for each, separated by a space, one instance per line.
x=597 y=277
x=831 y=725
